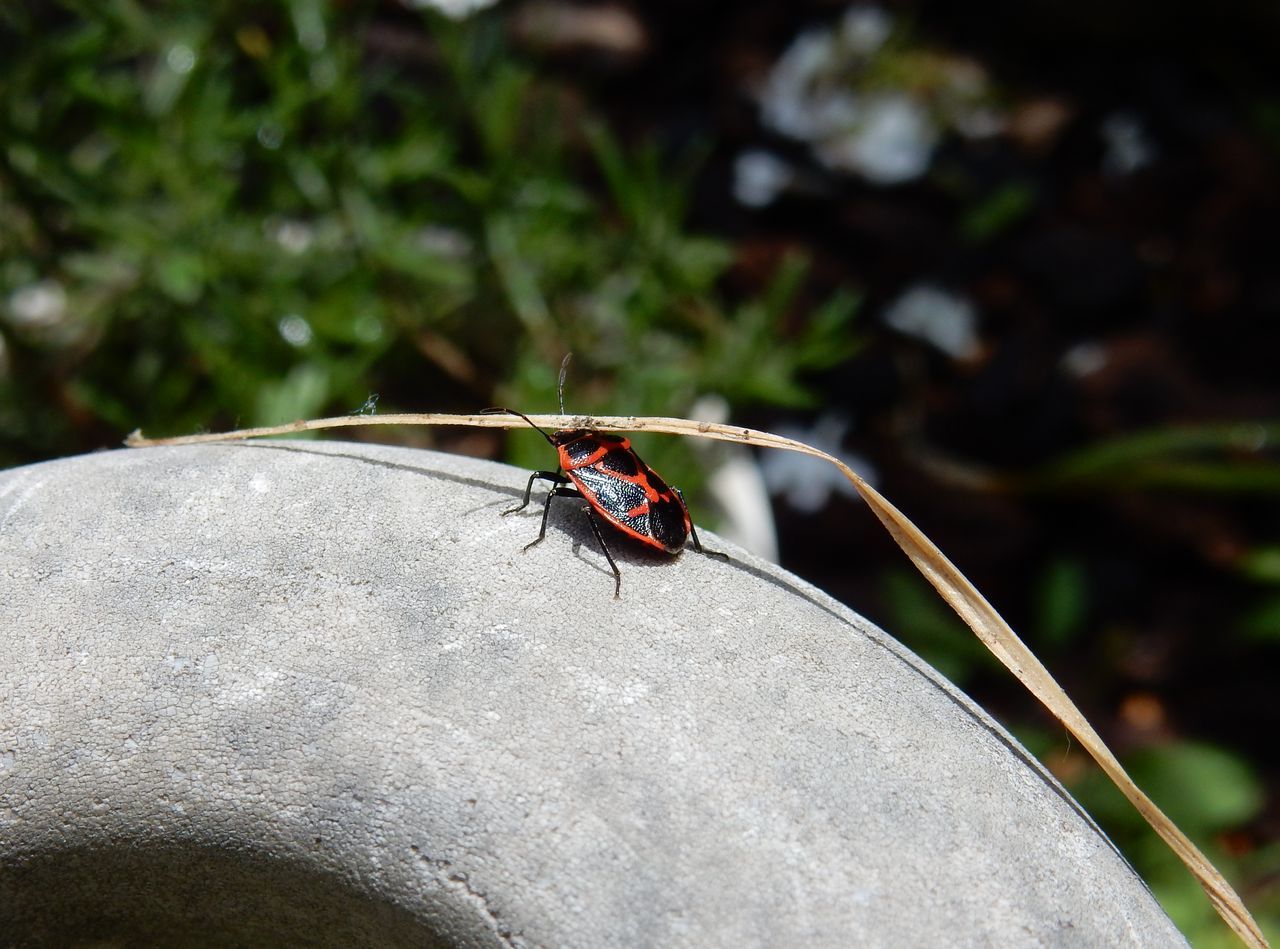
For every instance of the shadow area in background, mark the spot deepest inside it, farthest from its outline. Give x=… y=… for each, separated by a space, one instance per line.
x=189 y=895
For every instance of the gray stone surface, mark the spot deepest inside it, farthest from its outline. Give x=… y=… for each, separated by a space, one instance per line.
x=314 y=694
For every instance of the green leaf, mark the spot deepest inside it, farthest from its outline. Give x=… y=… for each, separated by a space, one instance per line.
x=518 y=277
x=998 y=212
x=181 y=275
x=1217 y=457
x=1061 y=601
x=1261 y=563
x=1201 y=787
x=1262 y=622
x=926 y=625
x=300 y=394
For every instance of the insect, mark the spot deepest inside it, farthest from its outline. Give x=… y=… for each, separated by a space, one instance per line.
x=619 y=488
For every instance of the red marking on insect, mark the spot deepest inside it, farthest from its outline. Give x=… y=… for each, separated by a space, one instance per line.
x=619 y=488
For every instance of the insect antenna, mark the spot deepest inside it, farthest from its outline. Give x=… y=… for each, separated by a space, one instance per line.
x=564 y=371
x=498 y=410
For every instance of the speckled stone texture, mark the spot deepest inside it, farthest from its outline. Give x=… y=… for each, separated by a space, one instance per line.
x=301 y=693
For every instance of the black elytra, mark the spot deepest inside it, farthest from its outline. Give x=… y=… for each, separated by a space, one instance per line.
x=620 y=489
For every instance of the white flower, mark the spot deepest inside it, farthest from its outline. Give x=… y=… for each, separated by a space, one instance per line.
x=759 y=177
x=864 y=29
x=1128 y=147
x=447 y=242
x=453 y=9
x=892 y=141
x=292 y=235
x=943 y=319
x=1084 y=359
x=825 y=90
x=808 y=482
x=786 y=101
x=39 y=304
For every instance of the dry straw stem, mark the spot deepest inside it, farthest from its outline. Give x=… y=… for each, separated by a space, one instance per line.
x=963 y=597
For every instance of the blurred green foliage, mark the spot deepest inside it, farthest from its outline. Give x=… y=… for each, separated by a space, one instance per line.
x=233 y=214
x=1227 y=457
x=1262 y=622
x=924 y=622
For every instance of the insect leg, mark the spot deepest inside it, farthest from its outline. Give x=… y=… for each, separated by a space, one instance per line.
x=555 y=476
x=558 y=491
x=693 y=535
x=617 y=574
x=562 y=490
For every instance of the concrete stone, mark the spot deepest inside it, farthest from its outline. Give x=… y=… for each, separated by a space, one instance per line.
x=302 y=693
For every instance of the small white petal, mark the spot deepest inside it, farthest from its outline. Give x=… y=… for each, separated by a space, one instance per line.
x=43 y=303
x=943 y=319
x=893 y=141
x=865 y=29
x=807 y=482
x=759 y=177
x=453 y=9
x=1084 y=359
x=1128 y=147
x=294 y=236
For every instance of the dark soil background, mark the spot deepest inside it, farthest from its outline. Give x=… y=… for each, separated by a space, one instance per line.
x=1169 y=274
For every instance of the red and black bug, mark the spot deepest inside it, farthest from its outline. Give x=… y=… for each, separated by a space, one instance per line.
x=619 y=488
